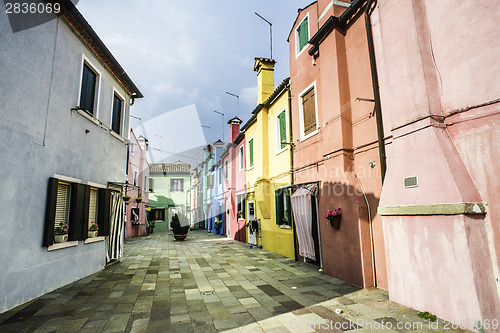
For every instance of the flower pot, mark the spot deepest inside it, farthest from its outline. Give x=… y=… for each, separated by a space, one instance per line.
x=335 y=221
x=92 y=234
x=180 y=237
x=61 y=238
x=138 y=200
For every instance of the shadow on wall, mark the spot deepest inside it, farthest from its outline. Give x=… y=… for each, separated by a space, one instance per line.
x=347 y=251
x=160 y=201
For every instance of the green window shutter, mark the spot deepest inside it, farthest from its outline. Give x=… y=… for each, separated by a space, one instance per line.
x=250 y=143
x=288 y=206
x=79 y=212
x=103 y=212
x=50 y=212
x=278 y=197
x=303 y=33
x=282 y=120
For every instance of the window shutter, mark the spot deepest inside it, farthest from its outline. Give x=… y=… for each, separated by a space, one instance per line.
x=309 y=112
x=50 y=212
x=103 y=219
x=279 y=206
x=288 y=206
x=88 y=89
x=303 y=33
x=282 y=134
x=79 y=212
x=251 y=152
x=117 y=112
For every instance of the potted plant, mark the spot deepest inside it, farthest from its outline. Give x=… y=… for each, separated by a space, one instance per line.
x=139 y=198
x=126 y=198
x=61 y=234
x=179 y=231
x=240 y=214
x=334 y=217
x=93 y=230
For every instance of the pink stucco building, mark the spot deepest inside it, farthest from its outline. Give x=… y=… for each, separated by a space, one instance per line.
x=138 y=178
x=335 y=138
x=234 y=186
x=440 y=203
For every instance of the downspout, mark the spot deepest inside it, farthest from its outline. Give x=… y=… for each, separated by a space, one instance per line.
x=291 y=163
x=376 y=91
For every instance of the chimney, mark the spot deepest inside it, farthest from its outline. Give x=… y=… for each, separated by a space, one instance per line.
x=234 y=128
x=265 y=78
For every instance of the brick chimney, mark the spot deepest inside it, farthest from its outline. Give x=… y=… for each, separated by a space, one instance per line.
x=265 y=78
x=234 y=128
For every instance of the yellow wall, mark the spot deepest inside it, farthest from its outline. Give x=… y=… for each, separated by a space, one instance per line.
x=271 y=170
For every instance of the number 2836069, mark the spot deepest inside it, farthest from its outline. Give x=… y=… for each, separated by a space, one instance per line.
x=32 y=8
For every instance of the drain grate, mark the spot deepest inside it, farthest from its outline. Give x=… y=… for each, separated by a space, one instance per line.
x=411 y=181
x=206 y=293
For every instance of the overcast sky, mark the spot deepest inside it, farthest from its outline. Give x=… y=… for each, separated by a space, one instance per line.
x=181 y=53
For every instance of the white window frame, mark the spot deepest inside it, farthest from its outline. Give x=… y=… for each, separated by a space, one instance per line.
x=248 y=209
x=226 y=169
x=174 y=179
x=301 y=113
x=86 y=60
x=250 y=167
x=278 y=132
x=145 y=185
x=122 y=118
x=297 y=51
x=136 y=178
x=241 y=152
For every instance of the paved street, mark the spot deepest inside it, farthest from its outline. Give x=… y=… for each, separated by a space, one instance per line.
x=210 y=284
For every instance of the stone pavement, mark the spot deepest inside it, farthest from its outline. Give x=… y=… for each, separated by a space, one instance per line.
x=210 y=284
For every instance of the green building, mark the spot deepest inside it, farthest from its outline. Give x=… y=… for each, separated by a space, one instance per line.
x=169 y=188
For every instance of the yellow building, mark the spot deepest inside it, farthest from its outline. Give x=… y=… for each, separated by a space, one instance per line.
x=269 y=162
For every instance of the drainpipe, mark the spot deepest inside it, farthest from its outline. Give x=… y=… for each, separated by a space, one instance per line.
x=376 y=91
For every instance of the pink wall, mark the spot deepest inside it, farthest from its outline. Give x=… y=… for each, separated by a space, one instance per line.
x=438 y=68
x=137 y=162
x=339 y=155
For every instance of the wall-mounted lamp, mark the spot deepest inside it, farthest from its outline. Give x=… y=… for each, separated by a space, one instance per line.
x=372 y=164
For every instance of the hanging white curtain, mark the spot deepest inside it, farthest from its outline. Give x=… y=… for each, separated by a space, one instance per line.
x=302 y=216
x=115 y=239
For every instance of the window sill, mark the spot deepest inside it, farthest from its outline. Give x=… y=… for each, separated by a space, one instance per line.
x=280 y=151
x=285 y=226
x=84 y=114
x=58 y=246
x=94 y=239
x=309 y=135
x=117 y=136
x=250 y=168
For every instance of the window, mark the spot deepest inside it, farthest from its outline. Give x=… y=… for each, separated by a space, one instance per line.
x=88 y=89
x=75 y=204
x=309 y=115
x=151 y=183
x=241 y=206
x=132 y=147
x=176 y=185
x=62 y=205
x=242 y=158
x=220 y=174
x=250 y=152
x=283 y=207
x=93 y=205
x=251 y=210
x=157 y=214
x=116 y=117
x=302 y=35
x=226 y=169
x=145 y=185
x=281 y=131
x=136 y=177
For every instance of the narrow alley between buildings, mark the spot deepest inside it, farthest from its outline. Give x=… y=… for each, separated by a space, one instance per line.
x=209 y=283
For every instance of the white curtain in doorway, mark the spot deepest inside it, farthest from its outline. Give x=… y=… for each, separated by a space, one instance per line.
x=115 y=239
x=302 y=216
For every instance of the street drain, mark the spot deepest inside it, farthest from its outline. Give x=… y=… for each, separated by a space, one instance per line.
x=205 y=293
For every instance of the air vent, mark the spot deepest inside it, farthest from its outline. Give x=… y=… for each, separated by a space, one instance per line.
x=411 y=181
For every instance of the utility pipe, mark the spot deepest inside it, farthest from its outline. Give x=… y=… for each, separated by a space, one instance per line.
x=376 y=91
